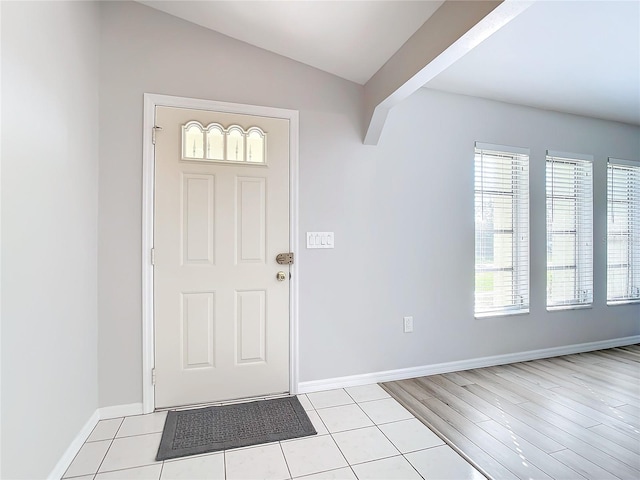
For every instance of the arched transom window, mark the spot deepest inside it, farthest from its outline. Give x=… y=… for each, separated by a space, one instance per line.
x=214 y=143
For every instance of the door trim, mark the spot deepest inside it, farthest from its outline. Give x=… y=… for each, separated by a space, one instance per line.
x=151 y=101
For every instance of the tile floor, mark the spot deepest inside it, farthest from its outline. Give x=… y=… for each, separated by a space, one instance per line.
x=363 y=433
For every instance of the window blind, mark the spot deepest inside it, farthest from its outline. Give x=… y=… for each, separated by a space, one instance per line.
x=501 y=230
x=569 y=186
x=623 y=232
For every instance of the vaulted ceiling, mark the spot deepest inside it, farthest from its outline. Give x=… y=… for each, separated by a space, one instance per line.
x=579 y=57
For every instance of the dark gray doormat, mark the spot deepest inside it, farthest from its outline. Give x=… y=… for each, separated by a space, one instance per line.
x=203 y=430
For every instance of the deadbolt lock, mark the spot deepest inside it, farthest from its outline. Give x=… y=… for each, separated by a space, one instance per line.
x=281 y=276
x=285 y=258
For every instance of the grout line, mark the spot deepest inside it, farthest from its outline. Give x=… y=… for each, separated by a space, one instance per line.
x=74 y=459
x=128 y=468
x=322 y=421
x=137 y=435
x=330 y=406
x=376 y=459
x=285 y=459
x=340 y=450
x=224 y=463
x=115 y=435
x=411 y=464
x=324 y=471
x=104 y=456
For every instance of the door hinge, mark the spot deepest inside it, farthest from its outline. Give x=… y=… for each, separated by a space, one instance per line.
x=153 y=133
x=153 y=256
x=153 y=376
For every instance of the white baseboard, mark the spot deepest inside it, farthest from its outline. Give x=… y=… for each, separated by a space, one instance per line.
x=116 y=411
x=71 y=452
x=103 y=413
x=412 y=372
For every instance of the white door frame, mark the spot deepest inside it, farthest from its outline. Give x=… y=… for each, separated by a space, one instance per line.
x=151 y=101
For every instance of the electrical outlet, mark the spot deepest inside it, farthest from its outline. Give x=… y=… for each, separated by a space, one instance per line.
x=408 y=324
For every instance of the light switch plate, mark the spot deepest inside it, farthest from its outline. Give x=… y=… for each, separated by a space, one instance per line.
x=320 y=240
x=408 y=324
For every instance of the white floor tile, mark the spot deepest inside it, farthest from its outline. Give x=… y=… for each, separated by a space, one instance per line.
x=364 y=445
x=320 y=427
x=373 y=451
x=394 y=468
x=312 y=455
x=202 y=467
x=149 y=472
x=105 y=430
x=330 y=398
x=366 y=393
x=142 y=424
x=254 y=446
x=304 y=401
x=344 y=417
x=410 y=435
x=339 y=474
x=88 y=459
x=266 y=463
x=442 y=463
x=129 y=452
x=385 y=411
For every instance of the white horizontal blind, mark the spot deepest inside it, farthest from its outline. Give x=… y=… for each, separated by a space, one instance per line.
x=623 y=232
x=502 y=230
x=569 y=232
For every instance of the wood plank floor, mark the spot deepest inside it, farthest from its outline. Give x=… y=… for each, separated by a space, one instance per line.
x=570 y=417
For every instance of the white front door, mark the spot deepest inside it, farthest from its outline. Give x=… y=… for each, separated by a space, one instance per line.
x=221 y=216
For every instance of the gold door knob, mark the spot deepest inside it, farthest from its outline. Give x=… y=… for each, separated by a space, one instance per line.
x=281 y=276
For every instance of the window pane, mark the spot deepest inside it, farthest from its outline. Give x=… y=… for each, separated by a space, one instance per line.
x=561 y=250
x=503 y=212
x=502 y=238
x=569 y=231
x=235 y=145
x=623 y=231
x=503 y=250
x=617 y=282
x=561 y=286
x=193 y=142
x=215 y=143
x=562 y=213
x=255 y=146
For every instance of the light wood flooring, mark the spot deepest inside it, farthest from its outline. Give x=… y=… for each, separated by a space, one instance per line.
x=570 y=417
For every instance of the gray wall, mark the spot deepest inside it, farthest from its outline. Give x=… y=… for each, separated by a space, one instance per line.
x=144 y=50
x=49 y=230
x=402 y=212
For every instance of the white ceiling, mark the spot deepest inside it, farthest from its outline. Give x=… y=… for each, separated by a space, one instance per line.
x=351 y=39
x=579 y=57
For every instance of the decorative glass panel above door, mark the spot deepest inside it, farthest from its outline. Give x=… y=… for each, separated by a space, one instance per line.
x=214 y=143
x=235 y=144
x=255 y=145
x=192 y=141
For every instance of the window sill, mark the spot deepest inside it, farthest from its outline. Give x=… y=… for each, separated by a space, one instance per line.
x=569 y=307
x=623 y=302
x=482 y=316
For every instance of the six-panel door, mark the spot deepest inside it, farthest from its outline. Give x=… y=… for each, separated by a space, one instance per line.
x=221 y=217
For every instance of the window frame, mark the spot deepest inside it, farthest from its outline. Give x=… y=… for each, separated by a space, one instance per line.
x=583 y=283
x=515 y=158
x=632 y=231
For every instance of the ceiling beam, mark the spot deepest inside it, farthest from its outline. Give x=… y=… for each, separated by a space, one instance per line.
x=456 y=28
